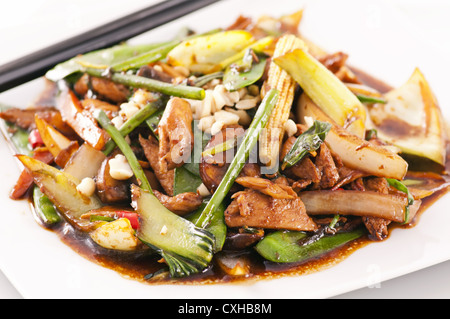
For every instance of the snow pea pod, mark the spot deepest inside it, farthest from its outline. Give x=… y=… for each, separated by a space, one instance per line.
x=99 y=59
x=291 y=246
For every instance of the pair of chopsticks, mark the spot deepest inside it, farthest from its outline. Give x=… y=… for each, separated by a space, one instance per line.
x=36 y=64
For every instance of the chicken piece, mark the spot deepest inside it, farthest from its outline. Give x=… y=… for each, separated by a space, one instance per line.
x=214 y=167
x=109 y=91
x=377 y=227
x=329 y=172
x=104 y=89
x=305 y=170
x=175 y=134
x=153 y=73
x=346 y=176
x=180 y=204
x=265 y=186
x=165 y=177
x=377 y=184
x=335 y=61
x=254 y=209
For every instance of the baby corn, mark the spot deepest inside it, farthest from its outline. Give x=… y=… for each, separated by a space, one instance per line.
x=278 y=79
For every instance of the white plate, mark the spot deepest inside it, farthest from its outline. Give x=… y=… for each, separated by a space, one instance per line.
x=379 y=41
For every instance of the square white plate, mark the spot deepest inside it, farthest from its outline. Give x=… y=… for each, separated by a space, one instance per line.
x=378 y=40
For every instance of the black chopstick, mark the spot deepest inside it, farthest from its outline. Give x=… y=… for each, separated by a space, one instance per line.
x=36 y=64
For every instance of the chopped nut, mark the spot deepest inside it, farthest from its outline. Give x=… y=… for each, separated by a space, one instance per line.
x=86 y=187
x=119 y=168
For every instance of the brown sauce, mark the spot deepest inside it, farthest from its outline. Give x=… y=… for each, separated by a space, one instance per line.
x=137 y=265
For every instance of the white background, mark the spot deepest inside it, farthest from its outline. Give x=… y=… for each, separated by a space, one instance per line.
x=29 y=25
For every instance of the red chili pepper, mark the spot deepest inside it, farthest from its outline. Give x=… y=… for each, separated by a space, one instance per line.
x=132 y=217
x=35 y=139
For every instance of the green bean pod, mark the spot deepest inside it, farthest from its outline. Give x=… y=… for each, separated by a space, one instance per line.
x=135 y=81
x=44 y=208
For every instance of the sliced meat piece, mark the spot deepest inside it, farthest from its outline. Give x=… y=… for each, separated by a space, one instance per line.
x=377 y=184
x=153 y=73
x=213 y=167
x=150 y=147
x=377 y=227
x=80 y=120
x=325 y=163
x=180 y=204
x=103 y=89
x=267 y=187
x=254 y=209
x=175 y=134
x=334 y=61
x=111 y=190
x=358 y=185
x=24 y=118
x=108 y=90
x=251 y=170
x=346 y=176
x=82 y=86
x=301 y=184
x=305 y=170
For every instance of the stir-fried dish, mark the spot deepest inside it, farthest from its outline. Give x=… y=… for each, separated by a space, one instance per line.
x=235 y=153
